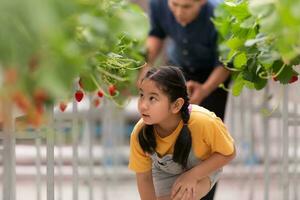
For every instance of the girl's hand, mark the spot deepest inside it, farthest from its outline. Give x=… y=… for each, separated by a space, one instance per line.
x=184 y=187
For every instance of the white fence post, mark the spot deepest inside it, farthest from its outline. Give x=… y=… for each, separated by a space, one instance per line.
x=75 y=134
x=9 y=154
x=285 y=143
x=50 y=158
x=266 y=146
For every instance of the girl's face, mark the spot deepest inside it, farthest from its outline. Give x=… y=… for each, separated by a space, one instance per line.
x=153 y=105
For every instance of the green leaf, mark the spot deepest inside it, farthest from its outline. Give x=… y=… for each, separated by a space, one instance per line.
x=260 y=83
x=268 y=58
x=88 y=83
x=261 y=8
x=222 y=26
x=235 y=43
x=252 y=42
x=249 y=22
x=238 y=85
x=248 y=75
x=286 y=74
x=240 y=60
x=238 y=9
x=261 y=41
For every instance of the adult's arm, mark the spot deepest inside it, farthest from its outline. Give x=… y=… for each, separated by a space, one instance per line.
x=154 y=46
x=200 y=91
x=218 y=76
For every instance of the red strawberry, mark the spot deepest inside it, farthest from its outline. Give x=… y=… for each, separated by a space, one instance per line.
x=96 y=102
x=62 y=106
x=100 y=93
x=112 y=90
x=293 y=79
x=79 y=95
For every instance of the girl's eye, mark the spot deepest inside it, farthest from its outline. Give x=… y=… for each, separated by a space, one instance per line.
x=141 y=94
x=152 y=98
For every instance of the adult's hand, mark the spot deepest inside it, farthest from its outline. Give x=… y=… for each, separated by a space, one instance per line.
x=197 y=93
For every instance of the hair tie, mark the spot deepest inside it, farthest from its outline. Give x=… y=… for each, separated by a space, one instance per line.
x=190 y=108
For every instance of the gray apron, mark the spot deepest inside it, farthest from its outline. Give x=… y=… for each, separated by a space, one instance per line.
x=165 y=172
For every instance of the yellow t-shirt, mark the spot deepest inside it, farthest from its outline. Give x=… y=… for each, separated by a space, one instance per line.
x=208 y=132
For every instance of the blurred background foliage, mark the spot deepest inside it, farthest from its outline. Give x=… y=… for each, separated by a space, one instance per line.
x=46 y=45
x=259 y=40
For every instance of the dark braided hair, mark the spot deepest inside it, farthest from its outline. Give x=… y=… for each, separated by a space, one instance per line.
x=171 y=81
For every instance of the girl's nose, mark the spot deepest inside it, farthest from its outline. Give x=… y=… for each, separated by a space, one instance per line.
x=143 y=105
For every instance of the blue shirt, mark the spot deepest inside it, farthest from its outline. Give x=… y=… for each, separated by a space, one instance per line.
x=193 y=47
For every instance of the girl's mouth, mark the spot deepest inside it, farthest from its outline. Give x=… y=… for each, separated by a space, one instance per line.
x=144 y=115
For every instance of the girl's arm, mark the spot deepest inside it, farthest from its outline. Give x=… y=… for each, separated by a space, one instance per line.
x=211 y=164
x=188 y=181
x=145 y=185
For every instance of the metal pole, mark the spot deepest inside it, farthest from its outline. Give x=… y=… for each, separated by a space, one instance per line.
x=295 y=154
x=106 y=126
x=90 y=151
x=266 y=147
x=9 y=154
x=285 y=141
x=60 y=142
x=38 y=165
x=297 y=177
x=75 y=133
x=252 y=156
x=50 y=158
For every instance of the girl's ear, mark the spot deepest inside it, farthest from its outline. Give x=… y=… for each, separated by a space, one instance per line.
x=177 y=105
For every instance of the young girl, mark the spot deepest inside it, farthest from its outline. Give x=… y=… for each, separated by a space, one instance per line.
x=177 y=150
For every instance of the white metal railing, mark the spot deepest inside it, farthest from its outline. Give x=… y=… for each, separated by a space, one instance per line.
x=268 y=141
x=265 y=139
x=112 y=123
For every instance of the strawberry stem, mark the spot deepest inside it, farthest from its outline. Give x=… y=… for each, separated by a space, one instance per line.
x=111 y=75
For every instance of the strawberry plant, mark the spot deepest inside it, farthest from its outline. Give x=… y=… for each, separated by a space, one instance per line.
x=47 y=45
x=258 y=41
